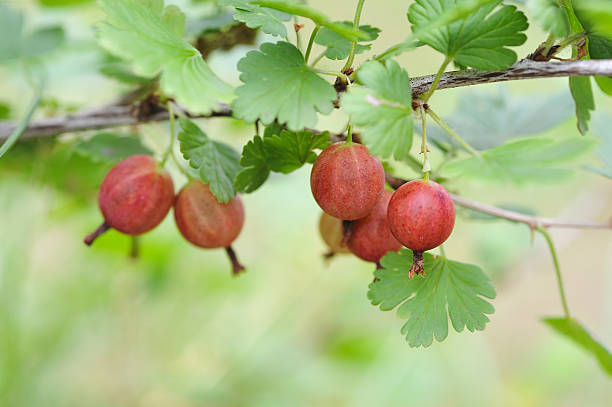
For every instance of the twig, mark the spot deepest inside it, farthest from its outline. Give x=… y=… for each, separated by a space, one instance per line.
x=114 y=115
x=533 y=222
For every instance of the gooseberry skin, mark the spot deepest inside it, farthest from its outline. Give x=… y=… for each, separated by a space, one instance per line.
x=203 y=220
x=371 y=237
x=332 y=232
x=346 y=181
x=421 y=215
x=136 y=195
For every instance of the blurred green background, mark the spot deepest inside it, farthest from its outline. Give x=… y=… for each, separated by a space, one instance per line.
x=92 y=327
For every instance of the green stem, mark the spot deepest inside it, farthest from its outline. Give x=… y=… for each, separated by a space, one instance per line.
x=15 y=134
x=437 y=78
x=298 y=38
x=311 y=41
x=331 y=73
x=452 y=133
x=424 y=148
x=318 y=59
x=553 y=253
x=548 y=44
x=172 y=134
x=351 y=57
x=569 y=41
x=349 y=134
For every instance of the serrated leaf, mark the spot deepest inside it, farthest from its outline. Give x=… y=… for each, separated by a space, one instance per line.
x=451 y=290
x=278 y=85
x=549 y=16
x=304 y=10
x=524 y=160
x=601 y=128
x=383 y=105
x=148 y=39
x=582 y=92
x=256 y=169
x=218 y=164
x=110 y=147
x=279 y=151
x=15 y=44
x=601 y=48
x=268 y=20
x=574 y=331
x=290 y=150
x=479 y=40
x=338 y=47
x=485 y=120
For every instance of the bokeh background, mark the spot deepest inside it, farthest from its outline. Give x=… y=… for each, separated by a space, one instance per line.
x=91 y=327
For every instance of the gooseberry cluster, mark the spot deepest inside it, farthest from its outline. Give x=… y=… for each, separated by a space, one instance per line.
x=348 y=183
x=137 y=194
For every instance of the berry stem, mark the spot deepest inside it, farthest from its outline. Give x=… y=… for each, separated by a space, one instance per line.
x=424 y=147
x=311 y=41
x=418 y=265
x=237 y=268
x=172 y=133
x=351 y=57
x=298 y=37
x=553 y=253
x=90 y=238
x=349 y=134
x=135 y=248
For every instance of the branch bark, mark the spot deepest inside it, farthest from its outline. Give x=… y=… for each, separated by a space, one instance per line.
x=119 y=115
x=532 y=221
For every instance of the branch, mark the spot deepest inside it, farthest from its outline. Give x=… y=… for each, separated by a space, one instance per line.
x=524 y=69
x=533 y=222
x=103 y=117
x=115 y=115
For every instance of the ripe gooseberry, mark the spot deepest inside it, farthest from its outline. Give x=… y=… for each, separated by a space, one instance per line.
x=421 y=216
x=332 y=232
x=346 y=180
x=207 y=223
x=135 y=196
x=371 y=237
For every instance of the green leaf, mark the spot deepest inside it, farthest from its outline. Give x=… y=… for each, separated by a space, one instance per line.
x=451 y=290
x=148 y=39
x=601 y=128
x=574 y=331
x=5 y=111
x=479 y=40
x=290 y=150
x=270 y=21
x=524 y=160
x=256 y=169
x=549 y=16
x=218 y=164
x=303 y=10
x=105 y=147
x=279 y=85
x=601 y=48
x=383 y=105
x=596 y=15
x=279 y=151
x=14 y=44
x=338 y=47
x=62 y=3
x=485 y=120
x=582 y=92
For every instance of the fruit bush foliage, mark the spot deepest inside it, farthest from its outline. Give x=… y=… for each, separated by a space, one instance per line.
x=151 y=47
